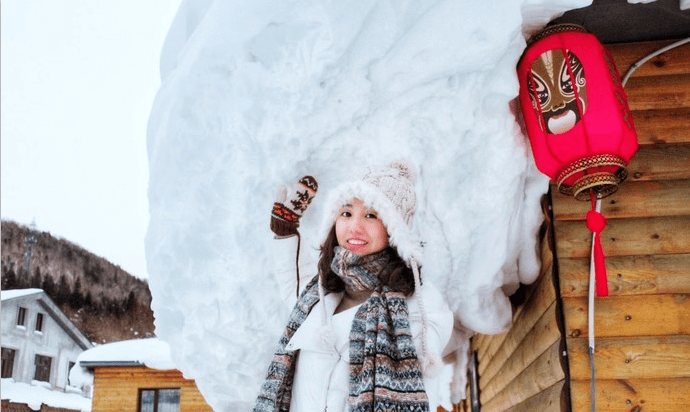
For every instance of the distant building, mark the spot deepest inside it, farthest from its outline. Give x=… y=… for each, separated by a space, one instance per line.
x=39 y=343
x=136 y=375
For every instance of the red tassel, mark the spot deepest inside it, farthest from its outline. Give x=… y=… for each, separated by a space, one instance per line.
x=596 y=222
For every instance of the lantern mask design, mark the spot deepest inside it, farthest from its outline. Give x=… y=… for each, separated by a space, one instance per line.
x=557 y=85
x=580 y=127
x=578 y=121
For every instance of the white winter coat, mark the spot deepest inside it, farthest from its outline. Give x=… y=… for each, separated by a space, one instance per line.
x=322 y=375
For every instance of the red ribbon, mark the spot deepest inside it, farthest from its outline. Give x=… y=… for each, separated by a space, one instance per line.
x=596 y=222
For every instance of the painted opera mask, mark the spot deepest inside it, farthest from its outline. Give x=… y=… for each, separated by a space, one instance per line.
x=555 y=85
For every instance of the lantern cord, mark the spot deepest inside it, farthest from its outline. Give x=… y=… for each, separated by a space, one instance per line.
x=642 y=61
x=592 y=282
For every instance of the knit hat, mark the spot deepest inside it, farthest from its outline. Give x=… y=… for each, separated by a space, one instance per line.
x=391 y=192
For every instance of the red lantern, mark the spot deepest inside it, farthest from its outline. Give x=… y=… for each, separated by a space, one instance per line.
x=577 y=118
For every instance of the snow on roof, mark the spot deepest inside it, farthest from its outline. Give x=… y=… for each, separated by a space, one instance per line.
x=18 y=293
x=153 y=353
x=35 y=394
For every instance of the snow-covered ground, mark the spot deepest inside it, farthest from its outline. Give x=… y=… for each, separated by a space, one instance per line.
x=257 y=94
x=153 y=353
x=36 y=394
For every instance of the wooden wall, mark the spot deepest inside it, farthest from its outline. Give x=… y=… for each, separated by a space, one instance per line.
x=643 y=328
x=522 y=369
x=116 y=389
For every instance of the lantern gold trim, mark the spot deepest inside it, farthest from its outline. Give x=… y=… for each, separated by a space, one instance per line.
x=603 y=183
x=556 y=28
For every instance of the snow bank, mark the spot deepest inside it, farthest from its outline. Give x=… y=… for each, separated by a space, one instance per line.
x=36 y=394
x=257 y=94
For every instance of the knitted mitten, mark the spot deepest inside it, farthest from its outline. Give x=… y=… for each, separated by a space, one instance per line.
x=287 y=210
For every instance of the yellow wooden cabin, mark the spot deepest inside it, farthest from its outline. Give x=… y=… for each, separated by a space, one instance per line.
x=137 y=388
x=122 y=381
x=642 y=329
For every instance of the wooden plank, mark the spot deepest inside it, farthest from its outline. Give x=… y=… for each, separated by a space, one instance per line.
x=660 y=92
x=537 y=377
x=540 y=300
x=487 y=345
x=547 y=401
x=639 y=315
x=643 y=236
x=643 y=357
x=661 y=162
x=674 y=61
x=657 y=126
x=513 y=360
x=633 y=199
x=633 y=395
x=629 y=275
x=491 y=344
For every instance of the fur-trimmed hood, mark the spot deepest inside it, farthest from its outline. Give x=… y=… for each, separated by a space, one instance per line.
x=401 y=234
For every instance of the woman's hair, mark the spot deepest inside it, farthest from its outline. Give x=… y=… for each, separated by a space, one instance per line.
x=401 y=279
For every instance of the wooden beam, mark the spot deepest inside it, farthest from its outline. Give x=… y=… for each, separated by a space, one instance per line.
x=541 y=299
x=643 y=236
x=639 y=315
x=547 y=401
x=661 y=162
x=516 y=356
x=633 y=395
x=633 y=199
x=659 y=92
x=659 y=126
x=629 y=275
x=537 y=377
x=642 y=357
x=674 y=61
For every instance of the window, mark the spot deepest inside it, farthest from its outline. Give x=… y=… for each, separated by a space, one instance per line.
x=39 y=322
x=42 y=368
x=159 y=400
x=69 y=368
x=8 y=362
x=21 y=317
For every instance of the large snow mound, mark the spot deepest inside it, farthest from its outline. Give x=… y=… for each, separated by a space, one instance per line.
x=257 y=94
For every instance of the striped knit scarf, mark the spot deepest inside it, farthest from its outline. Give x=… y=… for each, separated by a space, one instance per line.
x=385 y=374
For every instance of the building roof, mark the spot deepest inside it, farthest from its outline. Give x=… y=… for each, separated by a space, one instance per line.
x=18 y=293
x=52 y=309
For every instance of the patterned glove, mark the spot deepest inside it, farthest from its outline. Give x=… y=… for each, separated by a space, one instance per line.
x=287 y=210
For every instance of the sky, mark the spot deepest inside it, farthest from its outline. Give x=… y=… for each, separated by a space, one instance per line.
x=78 y=81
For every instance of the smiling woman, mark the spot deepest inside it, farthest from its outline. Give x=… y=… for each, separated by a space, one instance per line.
x=359 y=230
x=365 y=311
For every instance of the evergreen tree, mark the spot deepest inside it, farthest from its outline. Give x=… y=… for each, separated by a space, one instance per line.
x=76 y=300
x=23 y=279
x=9 y=278
x=49 y=286
x=63 y=291
x=130 y=302
x=36 y=279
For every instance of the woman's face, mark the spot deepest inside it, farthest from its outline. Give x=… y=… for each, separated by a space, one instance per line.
x=359 y=229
